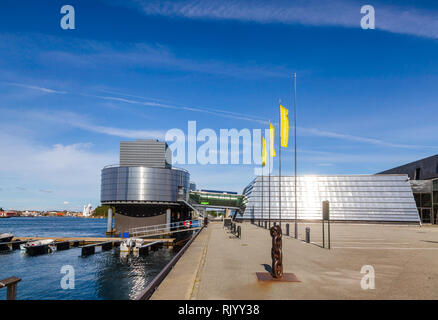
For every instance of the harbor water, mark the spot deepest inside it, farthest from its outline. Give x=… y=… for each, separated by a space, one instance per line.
x=104 y=275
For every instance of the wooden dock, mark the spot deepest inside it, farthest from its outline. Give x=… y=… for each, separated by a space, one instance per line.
x=91 y=248
x=90 y=240
x=86 y=244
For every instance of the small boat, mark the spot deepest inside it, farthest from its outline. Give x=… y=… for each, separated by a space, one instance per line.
x=131 y=245
x=6 y=237
x=37 y=246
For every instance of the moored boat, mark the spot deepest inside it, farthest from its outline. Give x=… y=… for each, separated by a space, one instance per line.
x=131 y=245
x=6 y=237
x=37 y=246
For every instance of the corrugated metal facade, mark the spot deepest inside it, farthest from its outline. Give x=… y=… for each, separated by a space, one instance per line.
x=143 y=184
x=380 y=198
x=146 y=153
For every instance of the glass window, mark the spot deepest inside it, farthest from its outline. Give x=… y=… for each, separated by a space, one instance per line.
x=435 y=214
x=417 y=197
x=417 y=174
x=426 y=200
x=425 y=216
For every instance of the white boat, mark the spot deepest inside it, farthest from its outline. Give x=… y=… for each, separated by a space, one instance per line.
x=131 y=245
x=6 y=237
x=37 y=246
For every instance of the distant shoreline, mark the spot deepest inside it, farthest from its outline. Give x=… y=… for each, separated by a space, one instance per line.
x=48 y=216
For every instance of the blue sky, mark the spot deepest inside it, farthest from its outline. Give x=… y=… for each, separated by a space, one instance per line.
x=367 y=99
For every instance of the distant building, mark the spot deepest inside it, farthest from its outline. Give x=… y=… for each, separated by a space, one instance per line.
x=8 y=213
x=144 y=189
x=28 y=213
x=87 y=210
x=423 y=176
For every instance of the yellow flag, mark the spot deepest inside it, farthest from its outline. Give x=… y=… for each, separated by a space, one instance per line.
x=264 y=154
x=284 y=126
x=271 y=139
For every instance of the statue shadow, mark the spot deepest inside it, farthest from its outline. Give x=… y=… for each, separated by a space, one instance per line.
x=267 y=267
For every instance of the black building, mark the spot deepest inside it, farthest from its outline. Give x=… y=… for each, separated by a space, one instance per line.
x=424 y=182
x=424 y=169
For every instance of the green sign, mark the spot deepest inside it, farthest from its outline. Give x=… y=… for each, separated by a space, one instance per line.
x=205 y=202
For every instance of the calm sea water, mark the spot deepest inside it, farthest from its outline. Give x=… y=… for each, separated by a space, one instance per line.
x=104 y=275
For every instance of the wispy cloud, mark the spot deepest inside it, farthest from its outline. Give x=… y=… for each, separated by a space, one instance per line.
x=52 y=51
x=46 y=191
x=42 y=89
x=78 y=121
x=82 y=122
x=329 y=158
x=396 y=19
x=367 y=140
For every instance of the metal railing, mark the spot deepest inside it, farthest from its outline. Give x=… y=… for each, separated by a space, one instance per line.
x=153 y=285
x=165 y=228
x=11 y=285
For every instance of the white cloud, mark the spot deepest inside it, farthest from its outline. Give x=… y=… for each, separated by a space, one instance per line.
x=396 y=19
x=42 y=89
x=46 y=191
x=95 y=54
x=76 y=121
x=53 y=171
x=82 y=122
x=329 y=134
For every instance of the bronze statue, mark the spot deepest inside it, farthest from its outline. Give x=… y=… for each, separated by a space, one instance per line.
x=276 y=253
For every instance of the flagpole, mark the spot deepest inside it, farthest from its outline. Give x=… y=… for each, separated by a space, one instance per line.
x=295 y=152
x=263 y=189
x=279 y=167
x=269 y=172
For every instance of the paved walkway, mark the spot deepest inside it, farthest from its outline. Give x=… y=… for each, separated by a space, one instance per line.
x=220 y=266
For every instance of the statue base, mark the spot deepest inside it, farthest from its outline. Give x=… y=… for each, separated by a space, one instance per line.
x=287 y=277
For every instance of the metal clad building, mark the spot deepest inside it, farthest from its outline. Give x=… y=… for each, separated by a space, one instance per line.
x=143 y=184
x=144 y=189
x=370 y=198
x=423 y=169
x=424 y=181
x=148 y=153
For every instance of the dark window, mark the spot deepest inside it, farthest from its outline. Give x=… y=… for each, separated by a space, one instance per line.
x=435 y=215
x=425 y=216
x=417 y=174
x=426 y=200
x=436 y=169
x=417 y=197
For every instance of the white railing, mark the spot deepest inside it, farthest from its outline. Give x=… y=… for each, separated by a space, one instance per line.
x=165 y=228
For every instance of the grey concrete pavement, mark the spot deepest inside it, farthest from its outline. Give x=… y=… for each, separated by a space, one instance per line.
x=404 y=258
